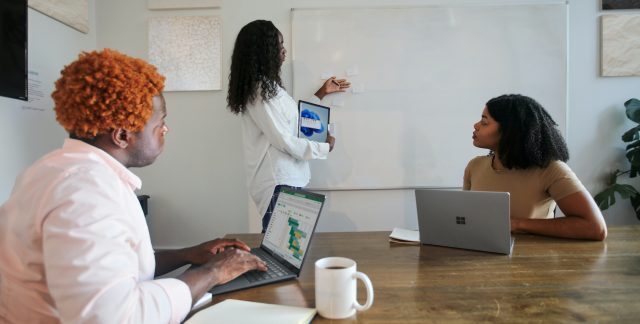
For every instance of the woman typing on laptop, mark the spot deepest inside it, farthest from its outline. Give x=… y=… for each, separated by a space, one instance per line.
x=527 y=159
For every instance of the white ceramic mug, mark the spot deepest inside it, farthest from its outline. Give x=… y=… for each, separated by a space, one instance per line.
x=336 y=288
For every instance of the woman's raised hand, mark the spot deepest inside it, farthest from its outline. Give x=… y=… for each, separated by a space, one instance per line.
x=333 y=85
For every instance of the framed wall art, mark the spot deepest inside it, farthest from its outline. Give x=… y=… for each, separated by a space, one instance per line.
x=187 y=51
x=73 y=13
x=182 y=4
x=620 y=45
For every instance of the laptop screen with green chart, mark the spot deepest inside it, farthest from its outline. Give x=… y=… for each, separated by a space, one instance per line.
x=286 y=240
x=292 y=223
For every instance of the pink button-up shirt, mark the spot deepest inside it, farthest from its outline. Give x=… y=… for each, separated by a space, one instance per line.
x=74 y=246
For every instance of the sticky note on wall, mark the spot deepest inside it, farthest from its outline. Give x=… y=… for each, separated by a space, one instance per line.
x=352 y=70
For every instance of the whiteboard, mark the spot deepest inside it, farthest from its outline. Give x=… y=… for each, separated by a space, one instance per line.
x=422 y=76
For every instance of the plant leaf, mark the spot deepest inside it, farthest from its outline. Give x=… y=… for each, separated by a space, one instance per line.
x=607 y=197
x=633 y=156
x=633 y=109
x=635 y=202
x=632 y=145
x=613 y=178
x=631 y=135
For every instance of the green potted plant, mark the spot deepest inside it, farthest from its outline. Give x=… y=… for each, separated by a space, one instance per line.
x=607 y=197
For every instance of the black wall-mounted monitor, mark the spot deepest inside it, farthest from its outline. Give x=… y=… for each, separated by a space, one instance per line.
x=13 y=49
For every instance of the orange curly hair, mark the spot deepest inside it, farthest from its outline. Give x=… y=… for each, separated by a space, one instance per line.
x=104 y=90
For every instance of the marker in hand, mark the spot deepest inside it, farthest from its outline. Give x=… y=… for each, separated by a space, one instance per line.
x=326 y=88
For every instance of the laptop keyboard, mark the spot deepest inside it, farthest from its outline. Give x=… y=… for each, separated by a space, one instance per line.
x=275 y=270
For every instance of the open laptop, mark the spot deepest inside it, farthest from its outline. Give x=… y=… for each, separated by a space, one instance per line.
x=285 y=242
x=473 y=220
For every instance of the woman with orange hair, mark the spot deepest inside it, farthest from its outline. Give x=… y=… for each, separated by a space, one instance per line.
x=74 y=244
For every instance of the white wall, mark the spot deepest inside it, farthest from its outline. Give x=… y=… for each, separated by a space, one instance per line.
x=596 y=107
x=28 y=130
x=198 y=185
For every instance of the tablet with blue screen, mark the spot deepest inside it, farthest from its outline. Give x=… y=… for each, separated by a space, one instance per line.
x=314 y=121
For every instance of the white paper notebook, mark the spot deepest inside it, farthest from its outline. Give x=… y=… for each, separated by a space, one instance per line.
x=405 y=236
x=240 y=312
x=203 y=301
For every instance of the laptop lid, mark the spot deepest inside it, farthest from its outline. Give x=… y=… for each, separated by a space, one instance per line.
x=314 y=121
x=293 y=222
x=473 y=220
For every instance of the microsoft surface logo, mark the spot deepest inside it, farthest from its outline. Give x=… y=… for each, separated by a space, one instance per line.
x=461 y=220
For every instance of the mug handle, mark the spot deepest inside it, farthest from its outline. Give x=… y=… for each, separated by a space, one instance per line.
x=367 y=283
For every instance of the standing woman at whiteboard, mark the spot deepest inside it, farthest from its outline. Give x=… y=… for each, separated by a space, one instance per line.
x=527 y=159
x=273 y=153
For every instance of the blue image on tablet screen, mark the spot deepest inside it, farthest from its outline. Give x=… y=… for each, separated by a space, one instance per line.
x=308 y=131
x=313 y=122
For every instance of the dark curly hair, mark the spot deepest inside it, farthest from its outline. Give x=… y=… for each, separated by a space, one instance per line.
x=255 y=61
x=528 y=134
x=105 y=90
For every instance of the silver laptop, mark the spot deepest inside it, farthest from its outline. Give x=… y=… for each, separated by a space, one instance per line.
x=473 y=220
x=286 y=240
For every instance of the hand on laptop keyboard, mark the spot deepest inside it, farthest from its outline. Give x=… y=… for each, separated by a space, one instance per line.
x=231 y=263
x=274 y=270
x=201 y=253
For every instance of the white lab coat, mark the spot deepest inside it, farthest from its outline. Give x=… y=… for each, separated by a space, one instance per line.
x=273 y=152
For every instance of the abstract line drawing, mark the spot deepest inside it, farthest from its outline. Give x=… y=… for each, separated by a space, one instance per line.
x=187 y=51
x=73 y=13
x=620 y=45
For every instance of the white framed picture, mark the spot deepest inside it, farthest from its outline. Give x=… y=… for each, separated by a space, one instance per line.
x=620 y=45
x=187 y=51
x=183 y=4
x=73 y=13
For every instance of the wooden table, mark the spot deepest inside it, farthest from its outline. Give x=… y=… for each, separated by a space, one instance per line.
x=544 y=280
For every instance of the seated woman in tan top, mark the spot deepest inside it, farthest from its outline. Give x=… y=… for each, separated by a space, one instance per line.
x=527 y=159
